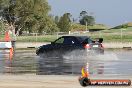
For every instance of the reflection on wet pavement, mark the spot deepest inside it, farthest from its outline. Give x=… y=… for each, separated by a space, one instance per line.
x=26 y=61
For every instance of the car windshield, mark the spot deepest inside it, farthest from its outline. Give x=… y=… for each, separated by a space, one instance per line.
x=59 y=41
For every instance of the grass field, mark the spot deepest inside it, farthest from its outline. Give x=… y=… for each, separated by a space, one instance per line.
x=113 y=35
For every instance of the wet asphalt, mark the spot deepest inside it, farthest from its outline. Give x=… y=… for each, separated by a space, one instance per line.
x=113 y=62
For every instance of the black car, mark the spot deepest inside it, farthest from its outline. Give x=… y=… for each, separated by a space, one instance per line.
x=53 y=57
x=66 y=44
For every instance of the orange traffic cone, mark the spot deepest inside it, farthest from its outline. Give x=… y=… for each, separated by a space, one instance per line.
x=84 y=72
x=7 y=37
x=11 y=53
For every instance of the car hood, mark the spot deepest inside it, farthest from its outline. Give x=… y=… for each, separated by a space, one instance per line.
x=46 y=46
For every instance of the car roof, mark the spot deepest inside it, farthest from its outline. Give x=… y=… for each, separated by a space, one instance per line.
x=79 y=38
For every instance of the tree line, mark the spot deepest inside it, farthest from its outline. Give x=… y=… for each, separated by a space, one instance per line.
x=33 y=16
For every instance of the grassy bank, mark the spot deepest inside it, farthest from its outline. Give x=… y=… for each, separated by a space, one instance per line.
x=49 y=38
x=113 y=35
x=44 y=38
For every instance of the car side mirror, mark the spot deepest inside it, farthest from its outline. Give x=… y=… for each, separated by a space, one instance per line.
x=100 y=40
x=53 y=43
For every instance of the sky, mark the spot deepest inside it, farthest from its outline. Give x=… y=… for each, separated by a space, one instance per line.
x=108 y=12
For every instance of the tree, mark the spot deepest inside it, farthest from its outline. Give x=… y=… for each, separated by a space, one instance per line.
x=33 y=14
x=89 y=20
x=28 y=15
x=85 y=19
x=64 y=23
x=49 y=26
x=83 y=13
x=7 y=14
x=56 y=19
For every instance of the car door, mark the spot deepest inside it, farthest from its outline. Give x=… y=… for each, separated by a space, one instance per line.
x=64 y=45
x=57 y=46
x=69 y=44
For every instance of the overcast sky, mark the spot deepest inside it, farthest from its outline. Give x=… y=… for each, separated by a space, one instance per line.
x=109 y=12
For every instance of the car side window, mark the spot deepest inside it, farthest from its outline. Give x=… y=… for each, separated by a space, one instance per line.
x=69 y=41
x=60 y=40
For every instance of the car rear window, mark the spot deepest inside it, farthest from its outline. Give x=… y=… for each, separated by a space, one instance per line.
x=81 y=38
